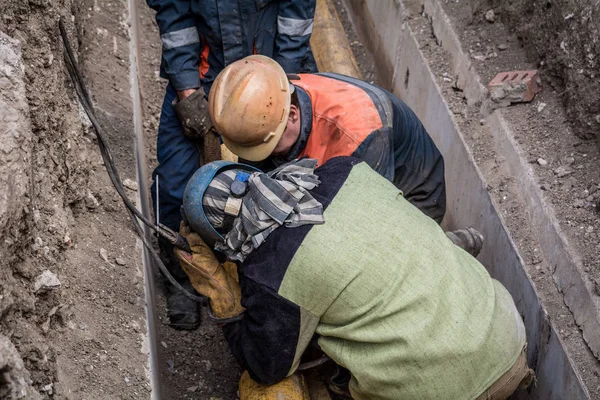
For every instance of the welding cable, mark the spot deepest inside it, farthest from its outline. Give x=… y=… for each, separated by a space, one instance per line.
x=111 y=168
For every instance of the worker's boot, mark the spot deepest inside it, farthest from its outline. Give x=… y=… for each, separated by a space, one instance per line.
x=183 y=313
x=291 y=388
x=468 y=239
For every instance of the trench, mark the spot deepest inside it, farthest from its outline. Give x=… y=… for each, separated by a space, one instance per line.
x=404 y=69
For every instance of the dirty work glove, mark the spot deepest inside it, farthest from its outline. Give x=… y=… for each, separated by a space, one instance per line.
x=209 y=277
x=193 y=114
x=197 y=125
x=468 y=239
x=291 y=388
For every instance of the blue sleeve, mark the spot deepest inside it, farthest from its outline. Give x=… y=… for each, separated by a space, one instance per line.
x=181 y=45
x=294 y=26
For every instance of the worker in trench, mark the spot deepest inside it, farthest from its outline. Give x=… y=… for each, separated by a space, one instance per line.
x=267 y=122
x=199 y=38
x=337 y=253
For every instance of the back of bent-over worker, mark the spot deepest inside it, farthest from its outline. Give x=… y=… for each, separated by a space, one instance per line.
x=390 y=297
x=323 y=116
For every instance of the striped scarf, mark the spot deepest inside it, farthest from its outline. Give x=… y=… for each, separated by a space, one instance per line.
x=280 y=197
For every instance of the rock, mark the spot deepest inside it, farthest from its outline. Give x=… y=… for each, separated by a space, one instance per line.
x=104 y=254
x=120 y=261
x=48 y=389
x=207 y=364
x=541 y=107
x=46 y=325
x=163 y=344
x=502 y=47
x=482 y=122
x=90 y=201
x=192 y=388
x=563 y=171
x=569 y=160
x=16 y=381
x=67 y=240
x=131 y=185
x=479 y=57
x=542 y=162
x=46 y=281
x=490 y=16
x=578 y=203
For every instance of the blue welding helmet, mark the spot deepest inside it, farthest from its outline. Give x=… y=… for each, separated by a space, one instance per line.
x=192 y=210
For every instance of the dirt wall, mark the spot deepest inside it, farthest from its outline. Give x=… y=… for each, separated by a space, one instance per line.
x=44 y=169
x=563 y=36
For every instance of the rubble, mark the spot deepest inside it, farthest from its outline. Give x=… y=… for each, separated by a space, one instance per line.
x=490 y=16
x=514 y=87
x=104 y=254
x=131 y=185
x=90 y=200
x=15 y=379
x=45 y=282
x=563 y=171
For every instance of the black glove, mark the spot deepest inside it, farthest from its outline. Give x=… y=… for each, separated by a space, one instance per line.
x=193 y=114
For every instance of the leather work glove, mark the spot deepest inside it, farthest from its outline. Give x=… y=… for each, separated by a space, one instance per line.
x=197 y=125
x=209 y=277
x=291 y=388
x=192 y=111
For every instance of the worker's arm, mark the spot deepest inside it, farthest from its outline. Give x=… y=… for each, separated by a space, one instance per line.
x=265 y=341
x=377 y=150
x=294 y=27
x=180 y=43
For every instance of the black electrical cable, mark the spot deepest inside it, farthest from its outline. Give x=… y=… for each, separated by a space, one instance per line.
x=111 y=168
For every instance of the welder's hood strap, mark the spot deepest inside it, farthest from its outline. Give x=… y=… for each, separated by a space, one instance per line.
x=280 y=197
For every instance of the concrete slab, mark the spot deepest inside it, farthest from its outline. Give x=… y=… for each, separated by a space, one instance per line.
x=414 y=82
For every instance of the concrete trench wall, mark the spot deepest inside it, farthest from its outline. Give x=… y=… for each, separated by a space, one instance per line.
x=405 y=71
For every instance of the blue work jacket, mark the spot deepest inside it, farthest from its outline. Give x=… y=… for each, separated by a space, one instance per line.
x=201 y=37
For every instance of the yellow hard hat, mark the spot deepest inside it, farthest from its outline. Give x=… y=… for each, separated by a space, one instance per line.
x=249 y=104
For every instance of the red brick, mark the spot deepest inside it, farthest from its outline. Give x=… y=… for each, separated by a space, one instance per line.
x=518 y=86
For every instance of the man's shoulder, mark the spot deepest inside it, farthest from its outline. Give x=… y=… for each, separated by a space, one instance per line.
x=268 y=264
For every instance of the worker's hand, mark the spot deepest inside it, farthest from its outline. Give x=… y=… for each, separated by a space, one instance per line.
x=208 y=276
x=192 y=111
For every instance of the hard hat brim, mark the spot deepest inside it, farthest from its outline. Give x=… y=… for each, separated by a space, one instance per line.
x=263 y=150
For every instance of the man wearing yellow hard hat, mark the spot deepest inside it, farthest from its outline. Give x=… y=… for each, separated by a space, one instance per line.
x=269 y=118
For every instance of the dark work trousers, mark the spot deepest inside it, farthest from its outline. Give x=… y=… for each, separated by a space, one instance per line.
x=178 y=159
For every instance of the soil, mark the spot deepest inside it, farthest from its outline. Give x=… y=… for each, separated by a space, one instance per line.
x=563 y=38
x=86 y=338
x=544 y=132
